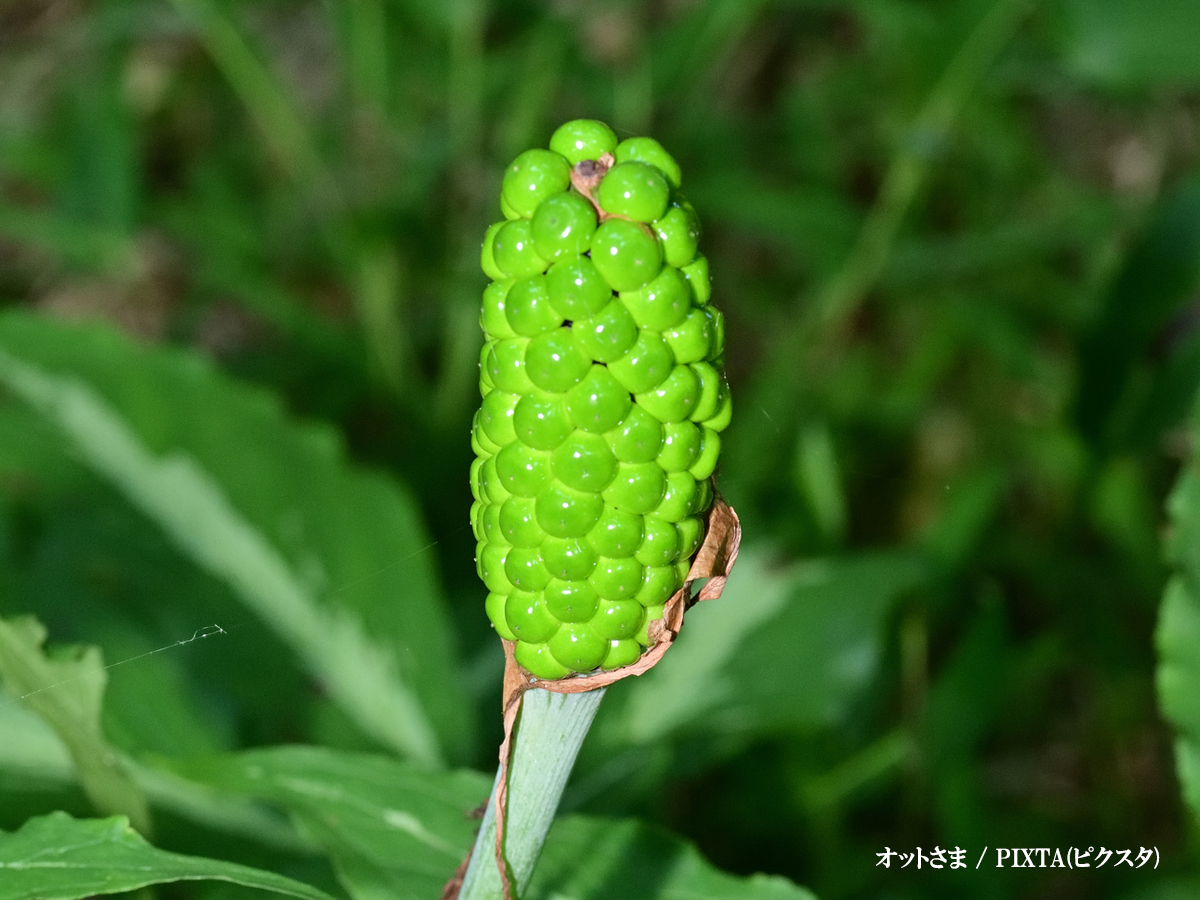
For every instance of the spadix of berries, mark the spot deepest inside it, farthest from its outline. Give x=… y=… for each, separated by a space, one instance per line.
x=603 y=400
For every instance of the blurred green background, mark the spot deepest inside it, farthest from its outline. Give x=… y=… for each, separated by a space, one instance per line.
x=957 y=243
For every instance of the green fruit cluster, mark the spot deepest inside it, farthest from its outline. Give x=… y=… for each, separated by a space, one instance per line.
x=603 y=400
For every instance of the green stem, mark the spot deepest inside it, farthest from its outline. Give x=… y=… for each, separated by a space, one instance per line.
x=549 y=731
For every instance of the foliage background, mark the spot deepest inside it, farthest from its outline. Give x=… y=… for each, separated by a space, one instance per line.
x=958 y=247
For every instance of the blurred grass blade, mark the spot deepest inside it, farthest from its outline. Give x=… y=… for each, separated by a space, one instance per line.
x=367 y=54
x=273 y=111
x=335 y=562
x=56 y=857
x=819 y=478
x=913 y=161
x=379 y=293
x=67 y=691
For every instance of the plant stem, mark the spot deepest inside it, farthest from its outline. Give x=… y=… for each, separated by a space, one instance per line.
x=549 y=731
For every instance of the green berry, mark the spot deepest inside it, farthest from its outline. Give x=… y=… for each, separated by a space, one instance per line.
x=609 y=334
x=487 y=447
x=485 y=379
x=514 y=252
x=658 y=584
x=653 y=614
x=706 y=460
x=634 y=191
x=638 y=487
x=528 y=616
x=523 y=567
x=603 y=398
x=583 y=139
x=532 y=177
x=625 y=254
x=710 y=381
x=599 y=402
x=648 y=150
x=681 y=446
x=523 y=471
x=517 y=521
x=476 y=480
x=571 y=559
x=554 y=361
x=571 y=601
x=696 y=272
x=617 y=534
x=618 y=619
x=563 y=225
x=577 y=289
x=638 y=438
x=487 y=255
x=566 y=512
x=527 y=307
x=489 y=560
x=647 y=363
x=496 y=417
x=661 y=304
x=577 y=647
x=691 y=536
x=493 y=489
x=620 y=654
x=492 y=317
x=537 y=659
x=506 y=365
x=495 y=611
x=719 y=420
x=660 y=545
x=674 y=398
x=717 y=322
x=678 y=230
x=507 y=210
x=691 y=339
x=617 y=579
x=678 y=500
x=584 y=462
x=541 y=420
x=477 y=519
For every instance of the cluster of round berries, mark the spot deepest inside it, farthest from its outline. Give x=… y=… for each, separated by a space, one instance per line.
x=603 y=396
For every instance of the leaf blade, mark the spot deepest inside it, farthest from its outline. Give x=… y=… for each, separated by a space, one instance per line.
x=57 y=857
x=334 y=560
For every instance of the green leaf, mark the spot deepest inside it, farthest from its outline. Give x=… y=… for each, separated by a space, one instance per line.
x=1178 y=634
x=33 y=754
x=67 y=692
x=372 y=813
x=782 y=647
x=1121 y=392
x=596 y=859
x=398 y=833
x=335 y=561
x=56 y=857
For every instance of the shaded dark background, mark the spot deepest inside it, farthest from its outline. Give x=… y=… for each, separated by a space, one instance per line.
x=958 y=249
